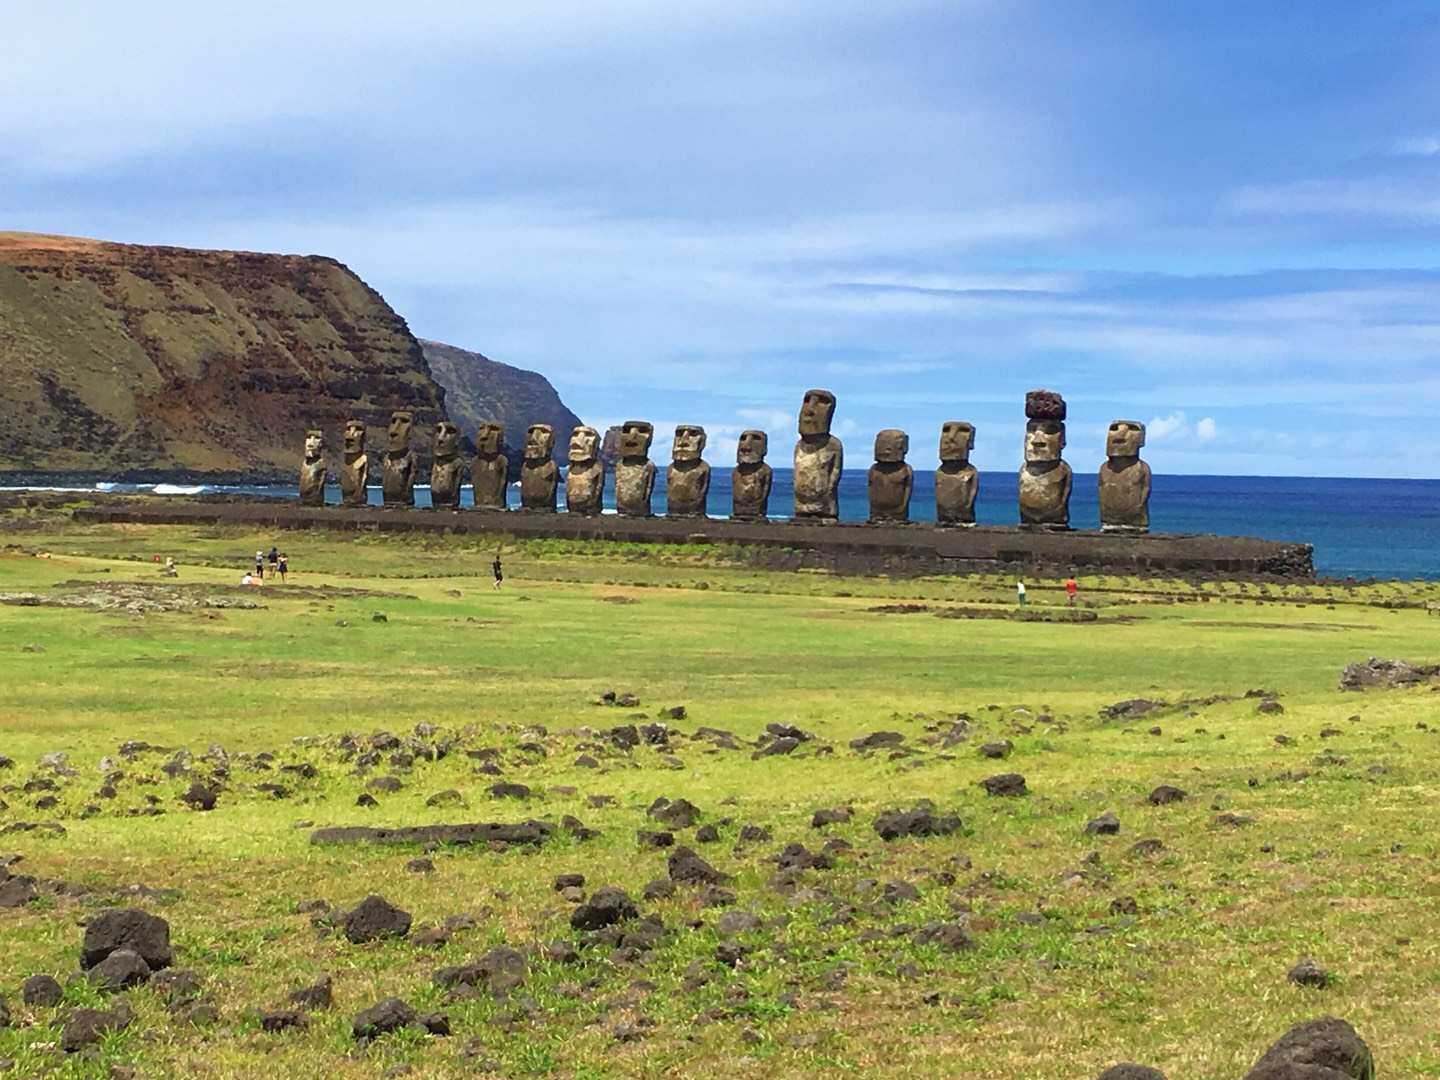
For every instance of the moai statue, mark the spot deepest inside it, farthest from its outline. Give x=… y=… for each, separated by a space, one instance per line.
x=1125 y=480
x=585 y=482
x=687 y=480
x=1045 y=479
x=355 y=472
x=957 y=482
x=891 y=480
x=313 y=470
x=819 y=459
x=447 y=471
x=539 y=475
x=490 y=474
x=635 y=472
x=399 y=465
x=751 y=478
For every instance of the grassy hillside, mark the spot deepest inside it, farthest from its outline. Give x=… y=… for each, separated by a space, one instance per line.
x=121 y=358
x=1068 y=951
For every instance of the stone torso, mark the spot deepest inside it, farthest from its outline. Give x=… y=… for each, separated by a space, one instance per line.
x=955 y=489
x=817 y=477
x=354 y=477
x=399 y=479
x=633 y=483
x=750 y=491
x=539 y=480
x=490 y=475
x=312 y=482
x=890 y=487
x=686 y=489
x=1125 y=495
x=445 y=479
x=1045 y=495
x=585 y=488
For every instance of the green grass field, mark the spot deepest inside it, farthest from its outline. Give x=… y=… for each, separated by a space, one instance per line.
x=1338 y=863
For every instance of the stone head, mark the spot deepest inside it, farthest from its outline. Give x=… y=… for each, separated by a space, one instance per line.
x=354 y=437
x=635 y=438
x=816 y=412
x=957 y=439
x=689 y=443
x=752 y=448
x=447 y=439
x=314 y=443
x=397 y=436
x=539 y=442
x=891 y=446
x=584 y=444
x=1044 y=440
x=490 y=439
x=1125 y=438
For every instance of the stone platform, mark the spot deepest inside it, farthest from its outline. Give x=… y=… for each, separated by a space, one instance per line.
x=902 y=550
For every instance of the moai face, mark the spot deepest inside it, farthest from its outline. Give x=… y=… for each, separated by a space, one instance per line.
x=397 y=436
x=1125 y=438
x=354 y=437
x=1044 y=440
x=489 y=439
x=753 y=447
x=539 y=442
x=584 y=444
x=957 y=439
x=891 y=446
x=689 y=443
x=635 y=438
x=447 y=439
x=314 y=444
x=816 y=412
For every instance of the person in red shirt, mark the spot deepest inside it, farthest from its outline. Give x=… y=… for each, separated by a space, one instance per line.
x=1071 y=588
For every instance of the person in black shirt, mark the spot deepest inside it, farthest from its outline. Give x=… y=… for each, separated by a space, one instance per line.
x=495 y=568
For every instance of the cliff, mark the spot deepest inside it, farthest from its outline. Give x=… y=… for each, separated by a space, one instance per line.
x=480 y=390
x=128 y=360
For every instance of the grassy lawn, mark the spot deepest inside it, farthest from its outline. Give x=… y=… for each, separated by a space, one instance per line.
x=1063 y=975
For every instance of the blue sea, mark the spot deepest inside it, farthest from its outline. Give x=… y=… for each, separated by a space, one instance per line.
x=1360 y=528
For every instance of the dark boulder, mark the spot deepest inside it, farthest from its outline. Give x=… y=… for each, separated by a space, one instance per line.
x=383 y=1018
x=128 y=928
x=894 y=824
x=121 y=970
x=1327 y=1049
x=686 y=867
x=42 y=991
x=1004 y=784
x=606 y=907
x=373 y=918
x=85 y=1027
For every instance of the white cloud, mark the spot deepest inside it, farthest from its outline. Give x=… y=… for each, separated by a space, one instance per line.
x=1375 y=198
x=1417 y=146
x=1161 y=428
x=1205 y=429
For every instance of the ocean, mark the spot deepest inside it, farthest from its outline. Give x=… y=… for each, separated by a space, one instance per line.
x=1360 y=528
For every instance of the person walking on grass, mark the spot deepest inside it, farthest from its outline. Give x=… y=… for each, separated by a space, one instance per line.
x=274 y=558
x=259 y=566
x=1020 y=591
x=496 y=570
x=284 y=567
x=1071 y=588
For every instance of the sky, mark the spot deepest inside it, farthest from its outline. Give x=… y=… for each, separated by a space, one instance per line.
x=1222 y=219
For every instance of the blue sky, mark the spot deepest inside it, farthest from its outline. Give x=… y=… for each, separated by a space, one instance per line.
x=1220 y=218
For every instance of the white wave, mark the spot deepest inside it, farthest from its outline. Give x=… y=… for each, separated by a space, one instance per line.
x=178 y=489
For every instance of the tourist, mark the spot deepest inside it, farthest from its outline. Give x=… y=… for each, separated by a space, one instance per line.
x=284 y=567
x=260 y=565
x=1020 y=592
x=1071 y=588
x=274 y=559
x=248 y=579
x=495 y=568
